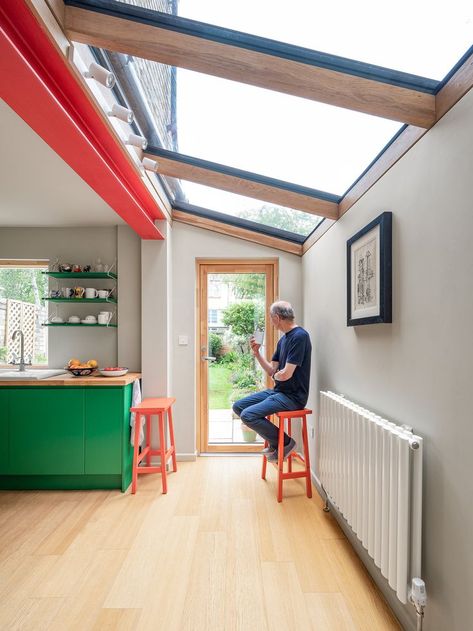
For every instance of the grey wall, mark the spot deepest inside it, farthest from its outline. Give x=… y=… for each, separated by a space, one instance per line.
x=129 y=305
x=419 y=369
x=156 y=324
x=83 y=246
x=189 y=243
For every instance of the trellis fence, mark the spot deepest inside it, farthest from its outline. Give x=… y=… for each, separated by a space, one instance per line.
x=16 y=314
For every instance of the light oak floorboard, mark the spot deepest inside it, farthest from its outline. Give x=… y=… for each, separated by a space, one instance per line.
x=367 y=608
x=204 y=604
x=82 y=608
x=67 y=530
x=285 y=604
x=117 y=620
x=165 y=591
x=217 y=553
x=33 y=614
x=329 y=612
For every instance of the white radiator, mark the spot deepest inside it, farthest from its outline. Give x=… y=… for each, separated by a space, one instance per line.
x=371 y=470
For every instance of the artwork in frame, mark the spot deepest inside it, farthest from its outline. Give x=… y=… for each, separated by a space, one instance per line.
x=369 y=273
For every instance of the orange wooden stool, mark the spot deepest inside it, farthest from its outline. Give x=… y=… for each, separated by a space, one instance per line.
x=147 y=408
x=282 y=416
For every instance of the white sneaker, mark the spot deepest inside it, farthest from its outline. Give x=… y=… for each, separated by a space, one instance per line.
x=268 y=450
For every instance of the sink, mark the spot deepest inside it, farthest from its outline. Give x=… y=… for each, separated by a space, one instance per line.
x=33 y=373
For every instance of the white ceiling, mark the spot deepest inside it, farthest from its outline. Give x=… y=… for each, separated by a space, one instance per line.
x=37 y=188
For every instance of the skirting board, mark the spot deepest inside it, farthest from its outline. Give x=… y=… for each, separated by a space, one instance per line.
x=401 y=612
x=184 y=457
x=179 y=457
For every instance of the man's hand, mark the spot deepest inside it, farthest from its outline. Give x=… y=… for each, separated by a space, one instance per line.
x=284 y=374
x=254 y=346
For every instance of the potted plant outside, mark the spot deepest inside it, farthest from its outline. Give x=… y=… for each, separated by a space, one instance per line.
x=249 y=435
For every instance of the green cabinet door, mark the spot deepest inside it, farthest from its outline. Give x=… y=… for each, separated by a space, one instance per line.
x=4 y=398
x=103 y=430
x=46 y=431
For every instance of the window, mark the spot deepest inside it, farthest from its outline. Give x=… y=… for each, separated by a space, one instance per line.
x=22 y=306
x=214 y=289
x=213 y=316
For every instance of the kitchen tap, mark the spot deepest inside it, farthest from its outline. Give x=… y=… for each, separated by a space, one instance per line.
x=22 y=348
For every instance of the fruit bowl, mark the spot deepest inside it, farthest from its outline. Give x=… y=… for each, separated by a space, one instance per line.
x=80 y=372
x=117 y=371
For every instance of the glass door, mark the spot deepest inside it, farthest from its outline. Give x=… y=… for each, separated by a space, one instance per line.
x=234 y=303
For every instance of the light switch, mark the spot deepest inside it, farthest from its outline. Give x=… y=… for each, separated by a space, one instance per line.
x=183 y=340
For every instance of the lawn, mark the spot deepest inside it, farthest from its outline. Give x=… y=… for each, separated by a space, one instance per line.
x=220 y=387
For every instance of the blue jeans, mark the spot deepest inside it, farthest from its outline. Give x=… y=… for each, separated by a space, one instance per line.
x=254 y=409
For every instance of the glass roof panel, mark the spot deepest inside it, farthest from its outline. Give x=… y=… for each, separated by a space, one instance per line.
x=404 y=35
x=265 y=213
x=273 y=134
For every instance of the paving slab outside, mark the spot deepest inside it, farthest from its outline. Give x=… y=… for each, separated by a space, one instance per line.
x=225 y=429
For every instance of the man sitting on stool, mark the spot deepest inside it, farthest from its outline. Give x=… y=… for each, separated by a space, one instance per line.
x=290 y=370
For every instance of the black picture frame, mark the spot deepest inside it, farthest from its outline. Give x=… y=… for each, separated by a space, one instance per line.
x=369 y=273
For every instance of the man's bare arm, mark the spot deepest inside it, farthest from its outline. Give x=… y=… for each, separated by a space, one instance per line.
x=269 y=367
x=286 y=373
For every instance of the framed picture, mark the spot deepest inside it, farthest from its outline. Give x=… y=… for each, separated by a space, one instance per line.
x=369 y=273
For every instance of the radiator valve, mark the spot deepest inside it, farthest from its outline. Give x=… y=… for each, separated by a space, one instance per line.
x=418 y=597
x=418 y=594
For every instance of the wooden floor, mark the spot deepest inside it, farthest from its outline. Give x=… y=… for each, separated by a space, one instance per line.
x=217 y=553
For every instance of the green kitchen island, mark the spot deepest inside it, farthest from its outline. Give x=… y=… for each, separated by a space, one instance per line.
x=66 y=432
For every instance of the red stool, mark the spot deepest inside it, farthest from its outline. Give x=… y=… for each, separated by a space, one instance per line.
x=147 y=408
x=282 y=416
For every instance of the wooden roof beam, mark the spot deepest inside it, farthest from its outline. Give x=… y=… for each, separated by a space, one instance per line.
x=236 y=231
x=244 y=183
x=237 y=56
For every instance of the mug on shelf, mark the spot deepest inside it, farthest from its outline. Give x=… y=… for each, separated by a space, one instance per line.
x=105 y=317
x=79 y=292
x=55 y=293
x=103 y=293
x=67 y=292
x=91 y=293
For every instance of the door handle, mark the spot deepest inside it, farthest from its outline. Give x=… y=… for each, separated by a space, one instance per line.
x=208 y=359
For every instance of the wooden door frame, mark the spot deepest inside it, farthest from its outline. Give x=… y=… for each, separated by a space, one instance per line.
x=269 y=266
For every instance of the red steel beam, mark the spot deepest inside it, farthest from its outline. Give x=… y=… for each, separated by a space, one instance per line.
x=36 y=82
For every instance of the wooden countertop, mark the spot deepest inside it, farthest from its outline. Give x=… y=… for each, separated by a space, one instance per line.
x=70 y=380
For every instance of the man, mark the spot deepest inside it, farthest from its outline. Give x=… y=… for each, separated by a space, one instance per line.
x=290 y=370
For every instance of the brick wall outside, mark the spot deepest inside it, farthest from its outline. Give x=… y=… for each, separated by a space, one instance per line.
x=155 y=79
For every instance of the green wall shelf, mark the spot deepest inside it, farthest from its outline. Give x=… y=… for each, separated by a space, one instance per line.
x=77 y=301
x=88 y=326
x=81 y=274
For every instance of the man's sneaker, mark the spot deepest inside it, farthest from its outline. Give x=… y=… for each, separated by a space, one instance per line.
x=288 y=449
x=268 y=450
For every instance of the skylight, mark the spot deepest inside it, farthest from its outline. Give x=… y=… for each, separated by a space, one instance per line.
x=274 y=134
x=296 y=141
x=406 y=36
x=188 y=194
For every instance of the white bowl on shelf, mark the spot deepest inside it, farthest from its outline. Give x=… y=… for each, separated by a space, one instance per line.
x=113 y=373
x=89 y=321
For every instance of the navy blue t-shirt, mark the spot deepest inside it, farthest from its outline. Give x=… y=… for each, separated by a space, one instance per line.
x=294 y=348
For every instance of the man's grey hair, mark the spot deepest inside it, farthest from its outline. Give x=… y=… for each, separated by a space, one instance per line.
x=282 y=309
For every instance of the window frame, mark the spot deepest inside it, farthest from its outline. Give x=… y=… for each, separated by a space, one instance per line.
x=28 y=264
